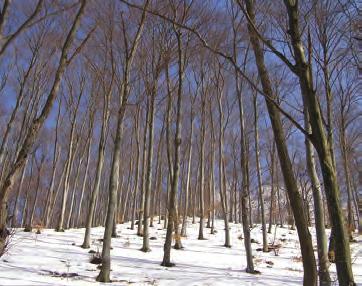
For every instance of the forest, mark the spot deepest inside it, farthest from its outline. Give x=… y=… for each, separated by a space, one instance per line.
x=185 y=129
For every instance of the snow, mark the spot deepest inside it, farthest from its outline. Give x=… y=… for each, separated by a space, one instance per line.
x=36 y=259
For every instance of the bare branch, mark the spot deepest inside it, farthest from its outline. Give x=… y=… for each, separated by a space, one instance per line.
x=223 y=55
x=22 y=27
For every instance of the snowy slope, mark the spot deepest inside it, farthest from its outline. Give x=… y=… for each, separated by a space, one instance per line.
x=38 y=259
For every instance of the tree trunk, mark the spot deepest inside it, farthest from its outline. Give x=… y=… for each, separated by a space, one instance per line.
x=343 y=146
x=143 y=178
x=137 y=173
x=124 y=202
x=260 y=184
x=222 y=176
x=188 y=177
x=202 y=159
x=14 y=218
x=324 y=278
x=69 y=166
x=99 y=169
x=70 y=219
x=272 y=190
x=146 y=214
x=323 y=148
x=245 y=215
x=309 y=264
x=104 y=274
x=30 y=223
x=86 y=171
x=172 y=209
x=212 y=177
x=158 y=176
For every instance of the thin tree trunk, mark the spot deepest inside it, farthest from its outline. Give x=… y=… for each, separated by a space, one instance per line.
x=146 y=214
x=245 y=215
x=143 y=178
x=272 y=190
x=26 y=201
x=99 y=168
x=222 y=176
x=69 y=167
x=14 y=218
x=30 y=225
x=56 y=155
x=53 y=202
x=158 y=181
x=343 y=146
x=202 y=159
x=323 y=272
x=75 y=187
x=172 y=209
x=188 y=177
x=137 y=173
x=212 y=177
x=86 y=171
x=128 y=188
x=260 y=184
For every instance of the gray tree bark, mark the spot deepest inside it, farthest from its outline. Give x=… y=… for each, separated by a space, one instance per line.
x=260 y=183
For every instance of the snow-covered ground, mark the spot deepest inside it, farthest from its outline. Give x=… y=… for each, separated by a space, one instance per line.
x=39 y=259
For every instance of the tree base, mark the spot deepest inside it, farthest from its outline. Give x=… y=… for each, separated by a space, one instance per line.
x=168 y=264
x=101 y=278
x=4 y=240
x=252 y=271
x=145 y=249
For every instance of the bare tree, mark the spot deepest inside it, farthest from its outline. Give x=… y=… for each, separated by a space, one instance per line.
x=104 y=275
x=309 y=264
x=36 y=124
x=260 y=184
x=174 y=174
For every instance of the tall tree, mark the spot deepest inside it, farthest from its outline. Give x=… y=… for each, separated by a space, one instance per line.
x=130 y=51
x=260 y=184
x=106 y=88
x=174 y=174
x=309 y=264
x=151 y=88
x=303 y=70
